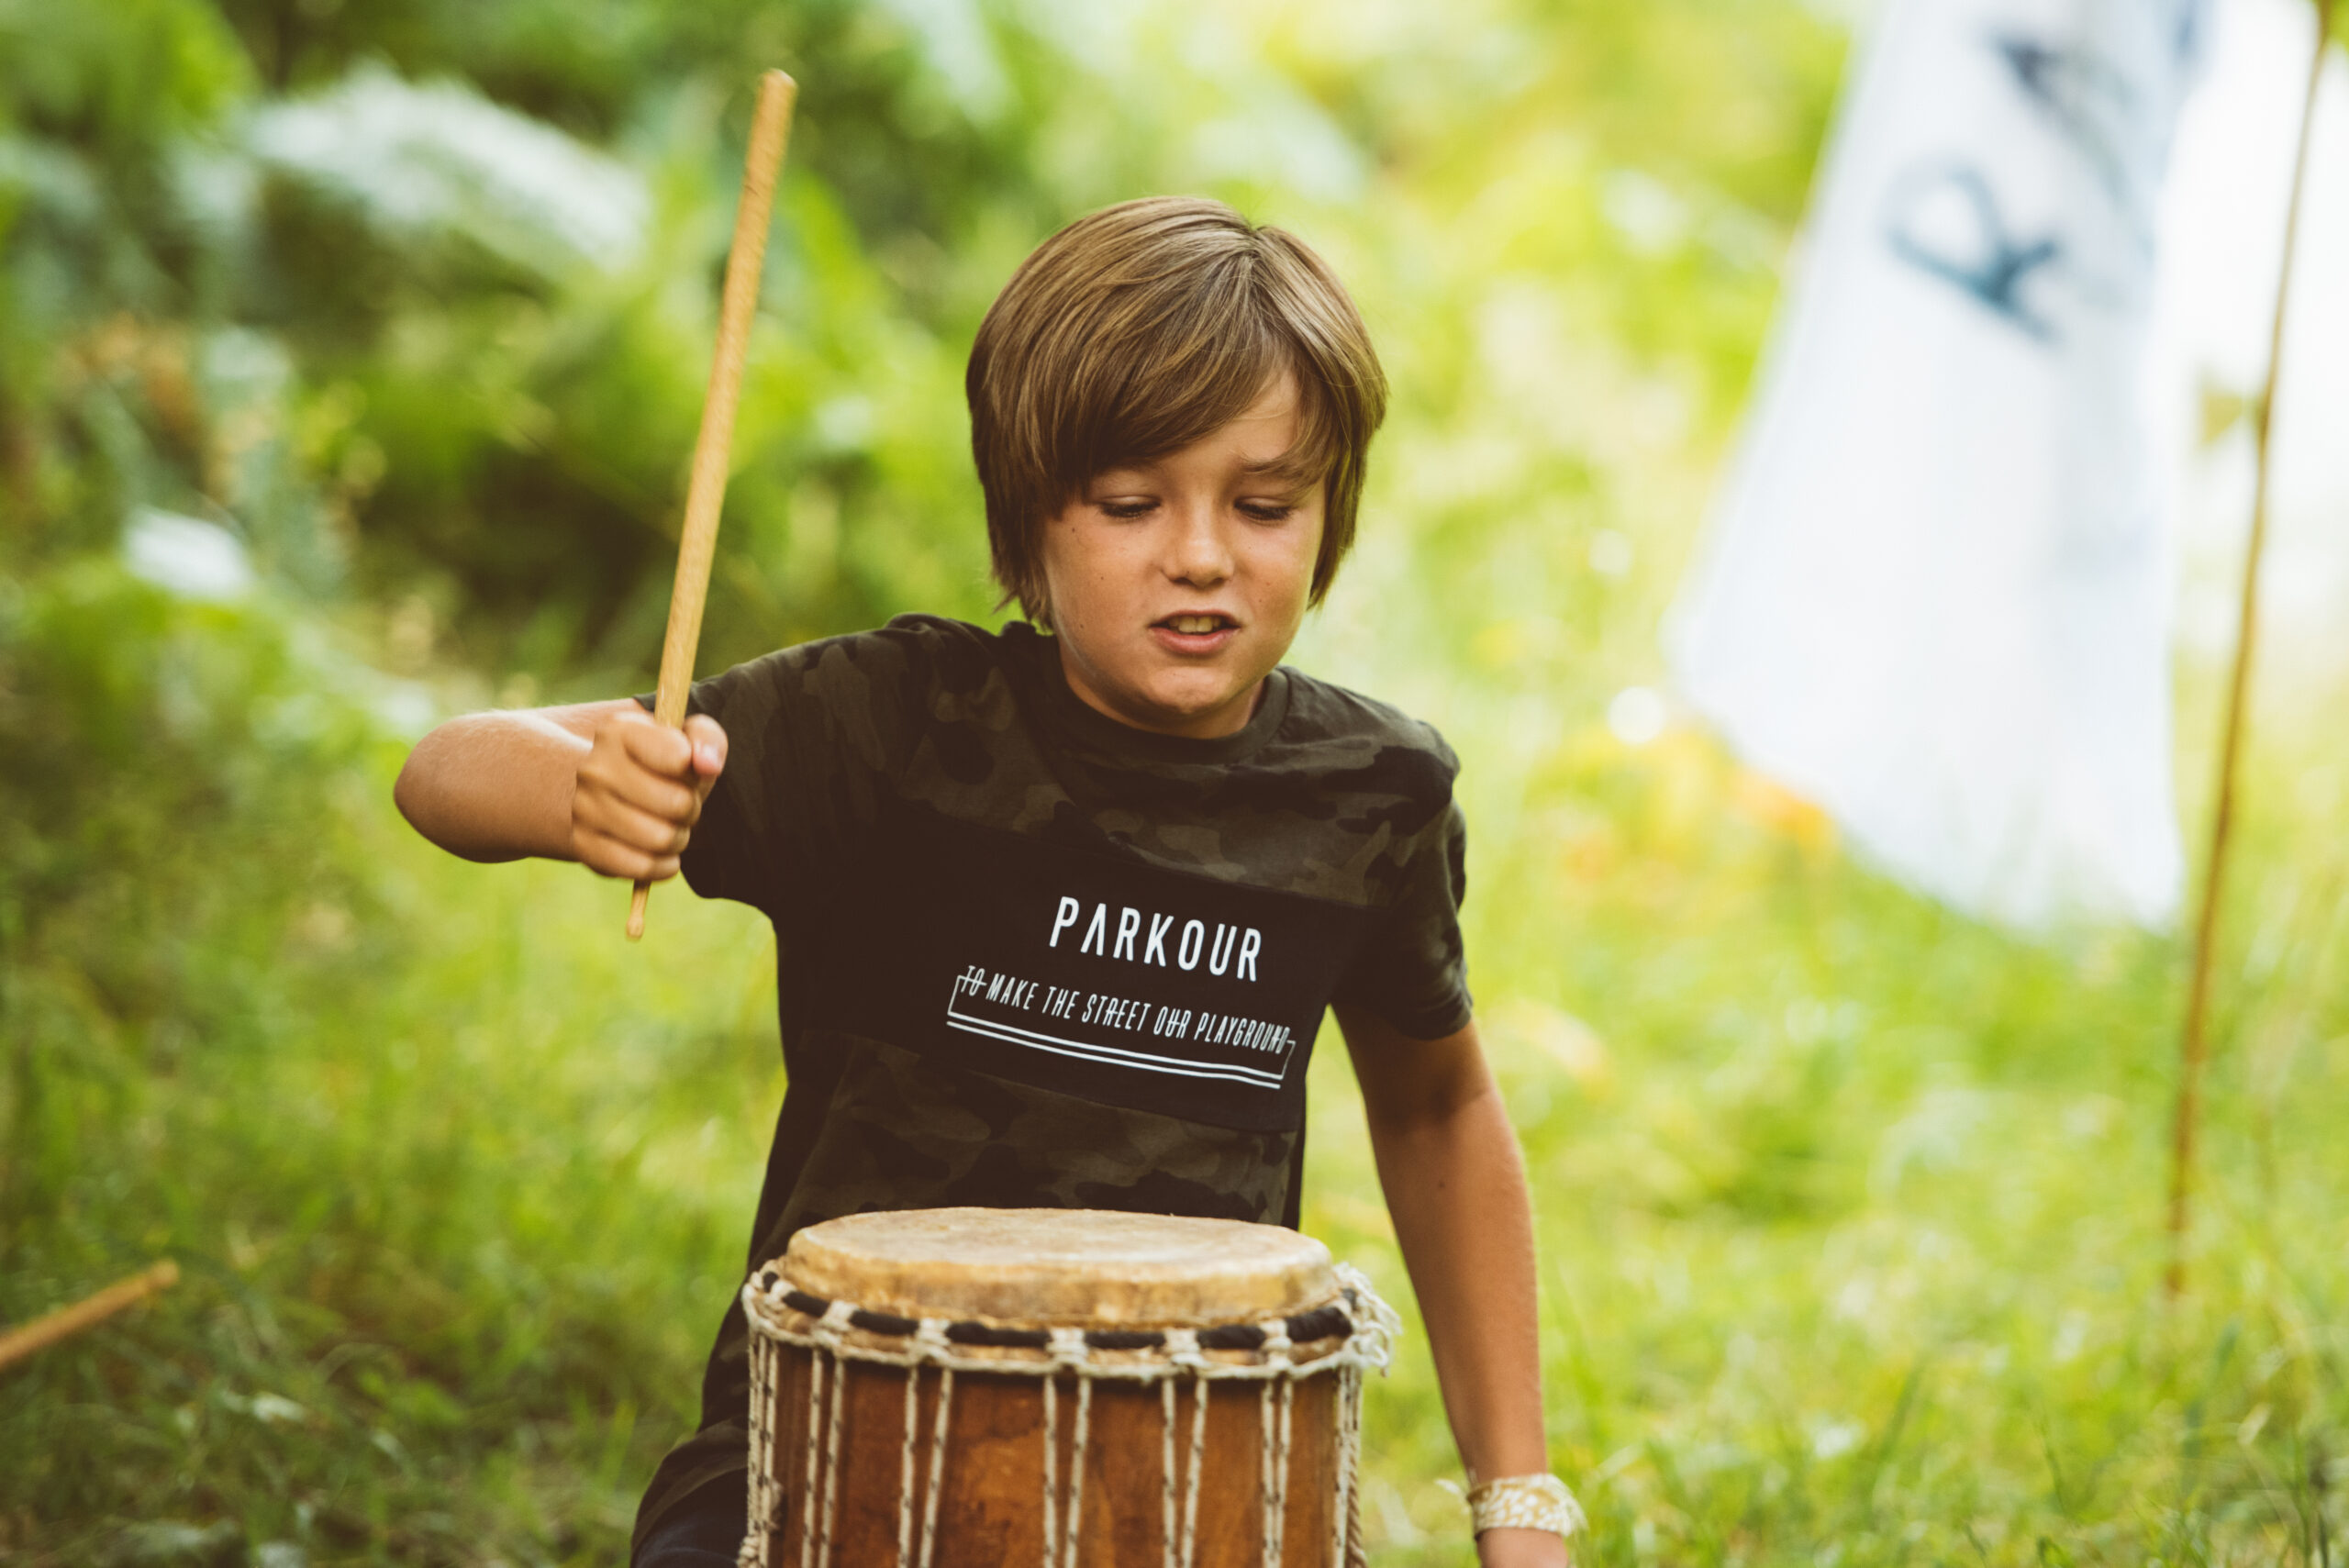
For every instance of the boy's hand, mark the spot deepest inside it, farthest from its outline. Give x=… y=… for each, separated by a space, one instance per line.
x=639 y=791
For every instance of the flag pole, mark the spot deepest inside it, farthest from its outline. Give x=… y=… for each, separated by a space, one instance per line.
x=2195 y=1045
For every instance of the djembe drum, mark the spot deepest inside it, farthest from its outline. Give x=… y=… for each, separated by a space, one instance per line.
x=974 y=1387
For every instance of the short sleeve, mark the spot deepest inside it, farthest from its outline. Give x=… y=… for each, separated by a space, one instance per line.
x=1413 y=971
x=741 y=848
x=813 y=733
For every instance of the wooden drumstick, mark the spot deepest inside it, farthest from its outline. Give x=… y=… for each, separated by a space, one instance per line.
x=66 y=1321
x=706 y=492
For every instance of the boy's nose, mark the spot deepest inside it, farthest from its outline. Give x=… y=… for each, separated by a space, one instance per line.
x=1198 y=554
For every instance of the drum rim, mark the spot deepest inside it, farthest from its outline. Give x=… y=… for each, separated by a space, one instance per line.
x=867 y=1257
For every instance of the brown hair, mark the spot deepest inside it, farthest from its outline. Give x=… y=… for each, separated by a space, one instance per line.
x=1141 y=328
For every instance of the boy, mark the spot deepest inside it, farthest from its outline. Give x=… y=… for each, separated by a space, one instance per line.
x=1125 y=795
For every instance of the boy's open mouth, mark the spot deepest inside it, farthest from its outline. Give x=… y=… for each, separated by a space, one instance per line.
x=1195 y=634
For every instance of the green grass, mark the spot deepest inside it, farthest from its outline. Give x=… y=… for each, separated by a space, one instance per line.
x=1850 y=1207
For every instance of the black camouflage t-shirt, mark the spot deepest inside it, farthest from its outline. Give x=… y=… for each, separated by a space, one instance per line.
x=1033 y=957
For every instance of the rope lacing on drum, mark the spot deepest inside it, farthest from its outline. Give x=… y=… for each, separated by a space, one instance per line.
x=1376 y=1327
x=836 y=1333
x=830 y=1329
x=1273 y=1448
x=931 y=1337
x=765 y=1494
x=1068 y=1350
x=1180 y=1539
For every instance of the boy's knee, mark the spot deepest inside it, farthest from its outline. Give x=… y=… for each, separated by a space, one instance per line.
x=704 y=1529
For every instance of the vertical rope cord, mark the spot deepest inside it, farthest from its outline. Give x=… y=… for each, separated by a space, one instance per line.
x=815 y=1449
x=771 y=1519
x=1272 y=1446
x=751 y=1553
x=1281 y=1468
x=1051 y=1463
x=1272 y=1529
x=1273 y=1450
x=832 y=1460
x=1199 y=1386
x=1353 y=1554
x=1166 y=1471
x=1375 y=1329
x=905 y=1470
x=1078 y=1445
x=1345 y=1478
x=747 y=1554
x=771 y=1516
x=935 y=1485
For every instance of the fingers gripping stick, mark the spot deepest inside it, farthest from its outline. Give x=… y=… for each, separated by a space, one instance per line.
x=706 y=492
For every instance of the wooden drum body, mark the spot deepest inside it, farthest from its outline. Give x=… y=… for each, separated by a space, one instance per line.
x=972 y=1388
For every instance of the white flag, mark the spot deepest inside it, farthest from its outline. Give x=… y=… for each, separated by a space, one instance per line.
x=1935 y=595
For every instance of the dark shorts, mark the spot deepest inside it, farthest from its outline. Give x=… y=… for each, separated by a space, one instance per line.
x=703 y=1530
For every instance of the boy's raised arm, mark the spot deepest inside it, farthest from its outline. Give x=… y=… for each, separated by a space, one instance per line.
x=597 y=782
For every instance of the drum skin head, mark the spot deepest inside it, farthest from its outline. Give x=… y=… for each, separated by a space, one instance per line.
x=1061 y=1267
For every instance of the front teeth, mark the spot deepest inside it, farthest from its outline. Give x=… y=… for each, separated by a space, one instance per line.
x=1193 y=625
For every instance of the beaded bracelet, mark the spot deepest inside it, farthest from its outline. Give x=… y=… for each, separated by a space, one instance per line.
x=1525 y=1502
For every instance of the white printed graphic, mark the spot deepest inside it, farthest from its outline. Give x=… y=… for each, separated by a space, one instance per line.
x=1230 y=948
x=1147 y=1020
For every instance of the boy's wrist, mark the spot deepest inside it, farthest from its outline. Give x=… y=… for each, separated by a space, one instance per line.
x=1534 y=1500
x=1521 y=1549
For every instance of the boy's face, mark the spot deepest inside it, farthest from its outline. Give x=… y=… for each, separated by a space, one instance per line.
x=1177 y=584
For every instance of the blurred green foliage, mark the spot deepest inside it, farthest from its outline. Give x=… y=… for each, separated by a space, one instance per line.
x=350 y=360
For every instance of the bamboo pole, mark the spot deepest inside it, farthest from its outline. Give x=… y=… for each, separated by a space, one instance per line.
x=705 y=491
x=67 y=1321
x=2195 y=1045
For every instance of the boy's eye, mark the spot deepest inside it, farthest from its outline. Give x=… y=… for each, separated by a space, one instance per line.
x=1125 y=508
x=1266 y=511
